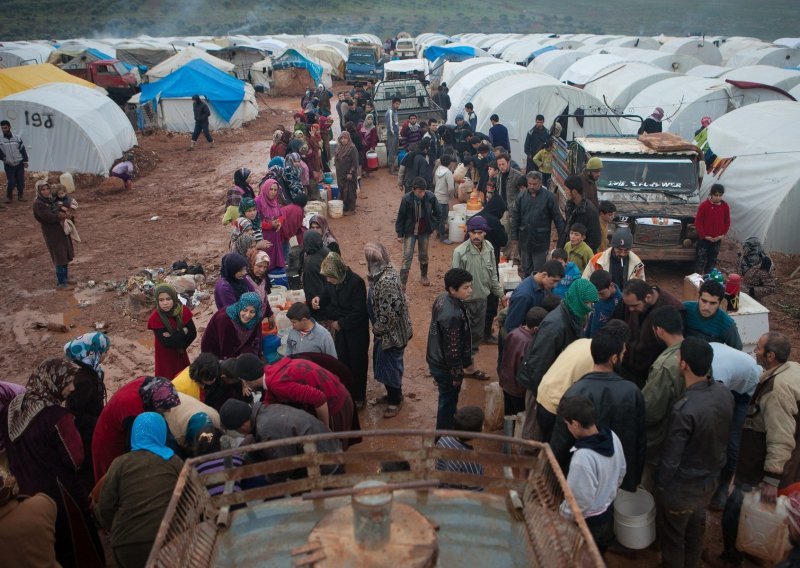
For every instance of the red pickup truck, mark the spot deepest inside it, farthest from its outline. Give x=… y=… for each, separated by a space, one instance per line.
x=110 y=74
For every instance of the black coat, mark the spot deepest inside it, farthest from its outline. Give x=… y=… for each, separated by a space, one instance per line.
x=314 y=252
x=558 y=329
x=587 y=214
x=620 y=406
x=449 y=339
x=201 y=112
x=404 y=225
x=493 y=212
x=532 y=220
x=416 y=165
x=346 y=302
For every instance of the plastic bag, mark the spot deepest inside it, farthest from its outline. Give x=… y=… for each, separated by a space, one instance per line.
x=460 y=172
x=762 y=532
x=493 y=408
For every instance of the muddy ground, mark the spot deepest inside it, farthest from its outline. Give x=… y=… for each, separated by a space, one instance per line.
x=173 y=213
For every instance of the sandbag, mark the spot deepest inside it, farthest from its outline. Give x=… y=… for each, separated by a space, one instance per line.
x=493 y=408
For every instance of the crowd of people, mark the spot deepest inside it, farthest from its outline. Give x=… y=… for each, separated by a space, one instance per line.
x=628 y=385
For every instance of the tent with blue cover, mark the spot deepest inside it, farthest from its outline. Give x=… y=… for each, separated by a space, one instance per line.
x=168 y=103
x=453 y=52
x=294 y=71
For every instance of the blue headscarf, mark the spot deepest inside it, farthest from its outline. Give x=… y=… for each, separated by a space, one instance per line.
x=276 y=161
x=150 y=433
x=87 y=349
x=245 y=300
x=197 y=422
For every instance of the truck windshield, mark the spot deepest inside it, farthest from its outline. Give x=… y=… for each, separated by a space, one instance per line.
x=362 y=58
x=673 y=175
x=120 y=68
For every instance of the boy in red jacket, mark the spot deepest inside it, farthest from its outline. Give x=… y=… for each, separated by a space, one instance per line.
x=713 y=219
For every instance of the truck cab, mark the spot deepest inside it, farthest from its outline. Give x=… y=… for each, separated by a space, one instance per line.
x=414 y=99
x=656 y=190
x=405 y=48
x=364 y=63
x=120 y=83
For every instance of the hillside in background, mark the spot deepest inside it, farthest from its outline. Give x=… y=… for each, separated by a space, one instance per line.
x=50 y=19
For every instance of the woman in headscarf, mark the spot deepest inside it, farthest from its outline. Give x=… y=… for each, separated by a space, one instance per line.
x=59 y=244
x=292 y=181
x=230 y=287
x=7 y=393
x=314 y=252
x=369 y=140
x=326 y=132
x=234 y=195
x=28 y=525
x=174 y=331
x=235 y=329
x=292 y=226
x=45 y=452
x=319 y=224
x=295 y=160
x=259 y=282
x=314 y=155
x=278 y=147
x=137 y=491
x=391 y=325
x=86 y=402
x=112 y=434
x=269 y=210
x=346 y=162
x=345 y=298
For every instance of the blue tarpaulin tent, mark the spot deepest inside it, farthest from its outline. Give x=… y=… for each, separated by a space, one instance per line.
x=541 y=50
x=223 y=92
x=434 y=52
x=293 y=58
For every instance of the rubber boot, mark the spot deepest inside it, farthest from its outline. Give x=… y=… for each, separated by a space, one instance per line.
x=404 y=278
x=423 y=269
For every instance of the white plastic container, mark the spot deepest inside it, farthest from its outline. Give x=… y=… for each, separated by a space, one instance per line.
x=67 y=181
x=762 y=531
x=335 y=208
x=380 y=149
x=461 y=208
x=635 y=519
x=317 y=208
x=295 y=296
x=456 y=229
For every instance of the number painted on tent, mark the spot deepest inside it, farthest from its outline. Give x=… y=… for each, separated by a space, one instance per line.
x=35 y=119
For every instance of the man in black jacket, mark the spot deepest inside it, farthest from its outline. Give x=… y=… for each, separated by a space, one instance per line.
x=531 y=222
x=692 y=456
x=201 y=115
x=417 y=165
x=580 y=210
x=619 y=404
x=449 y=349
x=534 y=141
x=416 y=219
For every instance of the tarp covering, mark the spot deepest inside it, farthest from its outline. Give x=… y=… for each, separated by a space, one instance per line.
x=68 y=128
x=754 y=152
x=223 y=92
x=294 y=58
x=18 y=79
x=434 y=52
x=182 y=58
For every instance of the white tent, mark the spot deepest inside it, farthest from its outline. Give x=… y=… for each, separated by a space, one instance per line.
x=405 y=66
x=68 y=128
x=700 y=48
x=639 y=42
x=732 y=45
x=183 y=57
x=454 y=70
x=14 y=56
x=591 y=67
x=325 y=53
x=685 y=101
x=762 y=181
x=518 y=98
x=470 y=83
x=771 y=55
x=600 y=39
x=795 y=93
x=676 y=62
x=274 y=46
x=785 y=79
x=708 y=71
x=554 y=63
x=620 y=86
x=496 y=50
x=788 y=42
x=261 y=74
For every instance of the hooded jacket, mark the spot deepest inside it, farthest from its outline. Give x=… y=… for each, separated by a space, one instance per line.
x=444 y=188
x=596 y=471
x=404 y=225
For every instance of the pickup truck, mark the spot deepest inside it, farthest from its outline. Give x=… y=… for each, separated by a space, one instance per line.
x=414 y=99
x=110 y=74
x=364 y=63
x=656 y=192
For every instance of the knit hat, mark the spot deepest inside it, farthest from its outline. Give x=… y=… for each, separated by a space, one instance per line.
x=658 y=114
x=249 y=367
x=234 y=413
x=478 y=223
x=579 y=293
x=622 y=238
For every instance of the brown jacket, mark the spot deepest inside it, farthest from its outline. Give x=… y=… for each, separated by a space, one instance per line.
x=589 y=188
x=28 y=526
x=772 y=429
